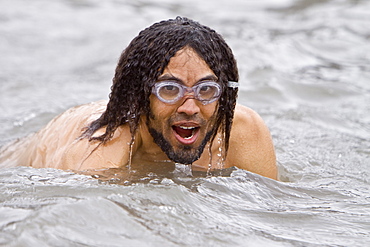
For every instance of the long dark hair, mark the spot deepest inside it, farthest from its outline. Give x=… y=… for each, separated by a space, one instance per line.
x=145 y=59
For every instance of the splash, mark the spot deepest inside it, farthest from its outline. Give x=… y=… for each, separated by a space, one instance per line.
x=221 y=153
x=131 y=144
x=220 y=161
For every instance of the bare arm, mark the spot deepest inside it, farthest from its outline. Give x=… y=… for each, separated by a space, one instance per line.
x=251 y=146
x=85 y=155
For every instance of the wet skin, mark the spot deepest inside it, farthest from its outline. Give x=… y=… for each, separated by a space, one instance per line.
x=180 y=133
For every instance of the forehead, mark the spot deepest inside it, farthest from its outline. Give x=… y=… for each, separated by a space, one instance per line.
x=188 y=67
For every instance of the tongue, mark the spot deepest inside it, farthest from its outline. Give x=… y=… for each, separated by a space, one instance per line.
x=184 y=133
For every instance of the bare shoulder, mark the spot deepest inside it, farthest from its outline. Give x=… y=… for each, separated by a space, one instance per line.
x=82 y=154
x=251 y=146
x=59 y=143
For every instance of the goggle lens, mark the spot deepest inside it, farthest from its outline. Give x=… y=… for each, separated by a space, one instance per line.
x=171 y=92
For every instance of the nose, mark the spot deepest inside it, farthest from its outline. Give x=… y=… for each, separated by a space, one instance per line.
x=189 y=107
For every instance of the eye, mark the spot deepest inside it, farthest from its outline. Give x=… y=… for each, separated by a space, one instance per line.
x=169 y=88
x=205 y=89
x=207 y=92
x=169 y=91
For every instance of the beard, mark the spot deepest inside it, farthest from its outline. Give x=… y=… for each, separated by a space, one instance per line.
x=185 y=154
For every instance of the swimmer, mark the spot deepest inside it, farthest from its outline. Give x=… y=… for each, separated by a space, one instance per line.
x=173 y=100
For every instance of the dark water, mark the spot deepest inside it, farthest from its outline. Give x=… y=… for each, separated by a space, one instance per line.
x=304 y=67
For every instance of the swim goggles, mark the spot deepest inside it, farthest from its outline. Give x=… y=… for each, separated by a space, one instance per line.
x=206 y=92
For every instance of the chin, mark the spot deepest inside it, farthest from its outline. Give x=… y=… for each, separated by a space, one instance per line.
x=179 y=153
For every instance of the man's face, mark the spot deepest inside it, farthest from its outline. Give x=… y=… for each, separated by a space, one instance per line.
x=182 y=129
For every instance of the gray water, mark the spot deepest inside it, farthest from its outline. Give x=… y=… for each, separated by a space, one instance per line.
x=304 y=66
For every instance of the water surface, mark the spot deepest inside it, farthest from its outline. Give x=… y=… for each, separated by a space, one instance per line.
x=304 y=66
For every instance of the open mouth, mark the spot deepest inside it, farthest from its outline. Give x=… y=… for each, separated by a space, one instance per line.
x=186 y=134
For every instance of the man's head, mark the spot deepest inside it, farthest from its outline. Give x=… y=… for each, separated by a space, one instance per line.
x=183 y=106
x=151 y=58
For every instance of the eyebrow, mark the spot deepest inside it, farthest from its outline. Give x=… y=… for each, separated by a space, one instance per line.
x=169 y=77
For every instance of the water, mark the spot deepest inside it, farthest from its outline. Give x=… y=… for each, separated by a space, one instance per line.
x=304 y=67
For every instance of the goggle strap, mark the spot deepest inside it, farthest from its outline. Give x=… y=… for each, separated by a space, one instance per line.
x=233 y=84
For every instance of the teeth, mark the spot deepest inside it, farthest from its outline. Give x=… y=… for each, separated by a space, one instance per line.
x=185 y=131
x=186 y=128
x=187 y=138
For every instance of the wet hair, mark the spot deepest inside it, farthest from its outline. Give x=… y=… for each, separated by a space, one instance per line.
x=145 y=59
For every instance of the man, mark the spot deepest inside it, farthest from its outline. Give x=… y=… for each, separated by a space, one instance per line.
x=173 y=100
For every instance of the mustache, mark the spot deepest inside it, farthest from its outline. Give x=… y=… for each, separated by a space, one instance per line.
x=179 y=117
